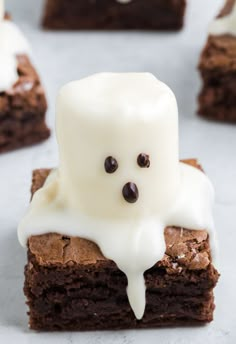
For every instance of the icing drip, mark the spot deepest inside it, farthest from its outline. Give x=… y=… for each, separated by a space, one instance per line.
x=114 y=130
x=224 y=25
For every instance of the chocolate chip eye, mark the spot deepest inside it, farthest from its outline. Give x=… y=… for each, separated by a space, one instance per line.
x=143 y=160
x=110 y=164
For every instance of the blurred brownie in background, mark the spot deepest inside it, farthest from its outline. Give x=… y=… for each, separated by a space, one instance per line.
x=22 y=110
x=22 y=99
x=217 y=67
x=114 y=14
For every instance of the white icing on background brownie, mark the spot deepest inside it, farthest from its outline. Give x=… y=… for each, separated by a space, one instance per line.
x=8 y=71
x=12 y=40
x=224 y=25
x=12 y=43
x=120 y=115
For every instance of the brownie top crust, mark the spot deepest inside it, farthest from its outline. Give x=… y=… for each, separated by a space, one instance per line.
x=219 y=54
x=185 y=249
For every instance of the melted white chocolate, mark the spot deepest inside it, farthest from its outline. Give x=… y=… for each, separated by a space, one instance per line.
x=12 y=43
x=224 y=25
x=121 y=115
x=8 y=71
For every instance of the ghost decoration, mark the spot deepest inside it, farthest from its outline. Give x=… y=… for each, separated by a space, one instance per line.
x=119 y=182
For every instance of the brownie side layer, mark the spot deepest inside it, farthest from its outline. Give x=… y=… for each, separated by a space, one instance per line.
x=22 y=110
x=107 y=14
x=70 y=285
x=217 y=67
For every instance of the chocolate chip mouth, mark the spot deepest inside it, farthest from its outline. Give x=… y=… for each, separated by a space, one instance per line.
x=130 y=192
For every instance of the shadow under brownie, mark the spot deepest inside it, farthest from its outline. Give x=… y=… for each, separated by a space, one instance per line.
x=23 y=109
x=114 y=15
x=70 y=285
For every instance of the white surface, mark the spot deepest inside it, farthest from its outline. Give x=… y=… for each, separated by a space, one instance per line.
x=61 y=57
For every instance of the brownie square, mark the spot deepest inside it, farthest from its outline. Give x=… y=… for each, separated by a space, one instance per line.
x=70 y=285
x=217 y=67
x=114 y=15
x=23 y=109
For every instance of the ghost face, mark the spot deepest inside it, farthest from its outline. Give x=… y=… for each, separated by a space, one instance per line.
x=118 y=169
x=130 y=190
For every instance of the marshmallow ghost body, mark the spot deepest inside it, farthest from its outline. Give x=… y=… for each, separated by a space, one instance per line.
x=116 y=115
x=123 y=203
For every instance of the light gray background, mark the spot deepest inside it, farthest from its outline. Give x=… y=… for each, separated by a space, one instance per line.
x=61 y=57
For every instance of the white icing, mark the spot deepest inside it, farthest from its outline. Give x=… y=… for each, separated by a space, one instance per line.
x=224 y=25
x=8 y=71
x=12 y=43
x=12 y=40
x=121 y=115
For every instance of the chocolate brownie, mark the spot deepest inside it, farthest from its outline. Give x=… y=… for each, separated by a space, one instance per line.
x=217 y=66
x=113 y=14
x=70 y=285
x=22 y=110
